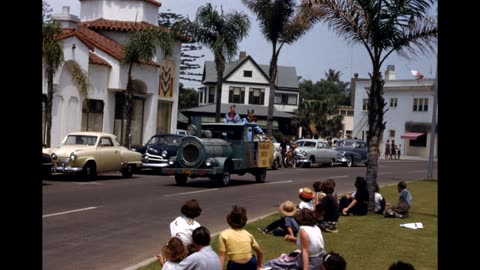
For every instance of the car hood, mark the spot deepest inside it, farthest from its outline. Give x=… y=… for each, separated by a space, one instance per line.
x=65 y=151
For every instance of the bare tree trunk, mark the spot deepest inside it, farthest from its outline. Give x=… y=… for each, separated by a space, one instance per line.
x=220 y=66
x=48 y=107
x=271 y=97
x=127 y=110
x=376 y=125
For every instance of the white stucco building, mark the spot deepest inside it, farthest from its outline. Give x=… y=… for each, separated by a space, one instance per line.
x=94 y=40
x=408 y=117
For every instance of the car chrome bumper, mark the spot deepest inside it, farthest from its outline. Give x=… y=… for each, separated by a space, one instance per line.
x=67 y=169
x=343 y=159
x=155 y=165
x=209 y=171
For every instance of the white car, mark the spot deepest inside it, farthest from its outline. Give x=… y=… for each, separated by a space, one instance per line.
x=314 y=151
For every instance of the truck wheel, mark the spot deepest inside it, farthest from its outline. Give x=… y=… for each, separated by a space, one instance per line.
x=181 y=179
x=224 y=179
x=261 y=175
x=127 y=172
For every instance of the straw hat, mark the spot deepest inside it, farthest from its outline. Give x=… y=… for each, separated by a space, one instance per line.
x=288 y=208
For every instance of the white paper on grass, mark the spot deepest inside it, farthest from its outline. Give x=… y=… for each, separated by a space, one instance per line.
x=416 y=225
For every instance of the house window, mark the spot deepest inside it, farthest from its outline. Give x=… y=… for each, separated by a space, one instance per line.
x=393 y=102
x=120 y=124
x=421 y=141
x=247 y=73
x=285 y=99
x=236 y=95
x=256 y=96
x=92 y=115
x=201 y=97
x=349 y=113
x=211 y=94
x=392 y=133
x=420 y=104
x=365 y=104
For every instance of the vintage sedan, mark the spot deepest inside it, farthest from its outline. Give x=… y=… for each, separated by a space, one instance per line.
x=352 y=152
x=314 y=151
x=47 y=165
x=157 y=151
x=89 y=153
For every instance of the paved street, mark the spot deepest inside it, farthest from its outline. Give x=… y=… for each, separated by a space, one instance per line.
x=113 y=223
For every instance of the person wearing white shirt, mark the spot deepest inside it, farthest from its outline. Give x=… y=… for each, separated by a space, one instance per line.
x=183 y=226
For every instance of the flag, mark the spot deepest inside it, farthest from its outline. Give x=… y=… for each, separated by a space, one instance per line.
x=417 y=74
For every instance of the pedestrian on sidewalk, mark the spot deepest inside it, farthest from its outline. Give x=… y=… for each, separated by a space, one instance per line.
x=387 y=149
x=399 y=151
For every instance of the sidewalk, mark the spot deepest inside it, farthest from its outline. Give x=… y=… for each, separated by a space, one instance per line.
x=402 y=157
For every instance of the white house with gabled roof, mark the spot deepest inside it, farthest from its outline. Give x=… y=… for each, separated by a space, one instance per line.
x=408 y=113
x=94 y=41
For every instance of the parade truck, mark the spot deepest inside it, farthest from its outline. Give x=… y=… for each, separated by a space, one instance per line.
x=218 y=150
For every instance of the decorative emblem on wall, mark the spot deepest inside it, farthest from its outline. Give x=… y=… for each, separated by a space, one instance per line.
x=166 y=80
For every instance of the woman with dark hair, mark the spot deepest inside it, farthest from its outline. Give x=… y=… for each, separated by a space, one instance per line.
x=238 y=243
x=183 y=226
x=334 y=261
x=357 y=203
x=172 y=253
x=328 y=208
x=309 y=241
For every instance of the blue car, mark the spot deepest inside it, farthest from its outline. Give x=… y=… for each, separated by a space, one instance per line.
x=352 y=152
x=157 y=151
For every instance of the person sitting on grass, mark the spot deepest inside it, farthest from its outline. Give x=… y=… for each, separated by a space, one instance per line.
x=334 y=261
x=328 y=209
x=183 y=226
x=319 y=194
x=357 y=203
x=286 y=224
x=204 y=258
x=401 y=266
x=307 y=198
x=379 y=201
x=402 y=210
x=238 y=243
x=173 y=252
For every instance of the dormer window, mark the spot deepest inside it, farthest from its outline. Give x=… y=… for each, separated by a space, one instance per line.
x=247 y=73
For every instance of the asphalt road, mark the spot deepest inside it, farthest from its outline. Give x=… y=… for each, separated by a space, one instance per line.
x=114 y=223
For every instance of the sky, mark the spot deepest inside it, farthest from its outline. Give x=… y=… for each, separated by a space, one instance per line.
x=319 y=50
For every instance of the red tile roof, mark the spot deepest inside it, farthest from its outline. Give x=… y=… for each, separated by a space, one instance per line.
x=158 y=4
x=94 y=40
x=95 y=59
x=114 y=25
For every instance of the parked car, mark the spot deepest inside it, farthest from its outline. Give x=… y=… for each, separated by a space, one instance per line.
x=47 y=165
x=157 y=151
x=314 y=151
x=352 y=151
x=182 y=132
x=222 y=150
x=89 y=153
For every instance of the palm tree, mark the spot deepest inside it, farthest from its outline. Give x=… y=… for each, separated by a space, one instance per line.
x=141 y=47
x=221 y=33
x=382 y=27
x=281 y=23
x=52 y=52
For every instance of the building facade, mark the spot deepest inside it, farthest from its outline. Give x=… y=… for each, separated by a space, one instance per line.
x=95 y=41
x=246 y=84
x=408 y=113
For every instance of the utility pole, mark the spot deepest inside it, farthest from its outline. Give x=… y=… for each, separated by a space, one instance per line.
x=434 y=127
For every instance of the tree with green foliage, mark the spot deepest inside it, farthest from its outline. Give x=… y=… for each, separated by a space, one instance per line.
x=281 y=22
x=52 y=52
x=382 y=27
x=141 y=47
x=187 y=98
x=221 y=33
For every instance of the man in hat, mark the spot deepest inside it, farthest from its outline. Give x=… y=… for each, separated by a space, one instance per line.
x=232 y=116
x=286 y=225
x=251 y=119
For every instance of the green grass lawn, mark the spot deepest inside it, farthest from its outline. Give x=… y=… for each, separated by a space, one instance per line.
x=370 y=242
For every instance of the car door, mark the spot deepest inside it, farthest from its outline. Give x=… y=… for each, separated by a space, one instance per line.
x=322 y=155
x=363 y=150
x=109 y=156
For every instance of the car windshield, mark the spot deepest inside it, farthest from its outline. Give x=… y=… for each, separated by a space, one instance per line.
x=80 y=140
x=306 y=144
x=170 y=140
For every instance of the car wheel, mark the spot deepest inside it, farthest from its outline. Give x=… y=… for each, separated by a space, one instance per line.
x=127 y=172
x=224 y=179
x=349 y=162
x=276 y=164
x=261 y=175
x=332 y=163
x=181 y=179
x=89 y=170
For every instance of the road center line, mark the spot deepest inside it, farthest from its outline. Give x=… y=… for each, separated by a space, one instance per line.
x=191 y=192
x=88 y=183
x=341 y=176
x=71 y=211
x=279 y=182
x=384 y=173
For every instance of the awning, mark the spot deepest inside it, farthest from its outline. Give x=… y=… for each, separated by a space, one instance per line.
x=411 y=135
x=182 y=118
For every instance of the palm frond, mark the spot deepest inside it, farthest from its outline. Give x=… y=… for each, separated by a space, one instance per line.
x=52 y=48
x=79 y=76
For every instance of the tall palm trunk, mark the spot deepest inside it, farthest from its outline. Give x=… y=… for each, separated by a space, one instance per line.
x=219 y=62
x=376 y=103
x=48 y=106
x=272 y=73
x=128 y=110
